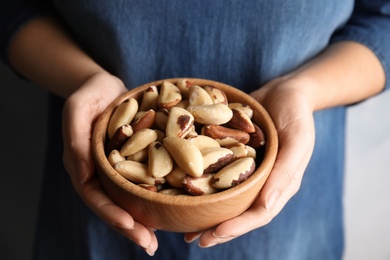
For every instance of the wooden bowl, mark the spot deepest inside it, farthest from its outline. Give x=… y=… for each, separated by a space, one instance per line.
x=184 y=213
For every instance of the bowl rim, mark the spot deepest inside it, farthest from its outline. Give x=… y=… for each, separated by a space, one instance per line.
x=98 y=149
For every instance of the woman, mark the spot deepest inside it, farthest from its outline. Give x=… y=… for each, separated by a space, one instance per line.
x=303 y=60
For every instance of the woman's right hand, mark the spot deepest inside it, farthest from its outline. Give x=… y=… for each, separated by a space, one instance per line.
x=80 y=112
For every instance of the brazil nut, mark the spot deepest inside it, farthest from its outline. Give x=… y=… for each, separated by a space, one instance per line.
x=175 y=177
x=219 y=133
x=216 y=94
x=140 y=156
x=203 y=142
x=172 y=191
x=114 y=157
x=186 y=155
x=216 y=158
x=234 y=173
x=138 y=141
x=160 y=162
x=121 y=135
x=161 y=118
x=245 y=108
x=184 y=139
x=211 y=114
x=148 y=187
x=144 y=120
x=241 y=121
x=122 y=115
x=184 y=85
x=169 y=96
x=199 y=186
x=257 y=138
x=149 y=99
x=136 y=172
x=179 y=122
x=197 y=96
x=239 y=150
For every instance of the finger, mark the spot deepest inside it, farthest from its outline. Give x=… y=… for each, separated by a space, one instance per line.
x=236 y=227
x=78 y=118
x=142 y=236
x=282 y=183
x=93 y=195
x=98 y=201
x=77 y=132
x=152 y=248
x=191 y=237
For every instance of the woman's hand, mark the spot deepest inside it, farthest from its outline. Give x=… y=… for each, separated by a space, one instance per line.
x=344 y=73
x=80 y=112
x=291 y=112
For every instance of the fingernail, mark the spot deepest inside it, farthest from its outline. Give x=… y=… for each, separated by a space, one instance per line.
x=206 y=246
x=192 y=239
x=272 y=199
x=149 y=251
x=122 y=226
x=152 y=229
x=221 y=236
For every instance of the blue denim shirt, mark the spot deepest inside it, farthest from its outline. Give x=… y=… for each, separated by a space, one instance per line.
x=255 y=40
x=241 y=43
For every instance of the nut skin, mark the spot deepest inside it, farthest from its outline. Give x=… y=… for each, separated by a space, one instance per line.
x=179 y=122
x=245 y=108
x=122 y=115
x=121 y=135
x=186 y=155
x=211 y=114
x=219 y=132
x=170 y=95
x=234 y=173
x=160 y=162
x=200 y=185
x=216 y=158
x=138 y=141
x=257 y=138
x=241 y=121
x=145 y=120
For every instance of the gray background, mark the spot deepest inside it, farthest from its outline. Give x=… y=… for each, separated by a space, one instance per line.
x=22 y=116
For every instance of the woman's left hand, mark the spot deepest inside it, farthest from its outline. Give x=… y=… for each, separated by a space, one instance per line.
x=292 y=114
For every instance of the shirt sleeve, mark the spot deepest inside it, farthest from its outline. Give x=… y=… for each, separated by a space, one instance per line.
x=13 y=15
x=369 y=25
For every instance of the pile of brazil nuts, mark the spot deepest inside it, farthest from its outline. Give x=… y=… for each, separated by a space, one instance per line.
x=183 y=138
